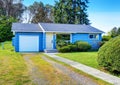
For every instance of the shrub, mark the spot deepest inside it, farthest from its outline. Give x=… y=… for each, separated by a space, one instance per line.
x=106 y=38
x=78 y=46
x=109 y=55
x=61 y=43
x=64 y=49
x=102 y=43
x=83 y=46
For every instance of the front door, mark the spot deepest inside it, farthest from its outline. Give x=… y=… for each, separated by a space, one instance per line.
x=49 y=41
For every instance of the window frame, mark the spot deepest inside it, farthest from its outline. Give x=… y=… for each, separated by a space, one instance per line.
x=95 y=36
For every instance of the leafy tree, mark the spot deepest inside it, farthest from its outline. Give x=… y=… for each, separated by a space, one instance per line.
x=114 y=32
x=118 y=31
x=40 y=12
x=5 y=28
x=12 y=8
x=71 y=11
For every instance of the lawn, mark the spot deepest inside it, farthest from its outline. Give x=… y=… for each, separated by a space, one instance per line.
x=13 y=70
x=87 y=58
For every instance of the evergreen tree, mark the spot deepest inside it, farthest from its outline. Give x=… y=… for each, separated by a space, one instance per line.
x=5 y=28
x=71 y=11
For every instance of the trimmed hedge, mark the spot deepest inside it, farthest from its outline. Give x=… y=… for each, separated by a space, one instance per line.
x=79 y=46
x=109 y=55
x=83 y=46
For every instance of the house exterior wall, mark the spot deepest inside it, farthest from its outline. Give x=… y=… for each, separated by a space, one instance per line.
x=85 y=37
x=41 y=40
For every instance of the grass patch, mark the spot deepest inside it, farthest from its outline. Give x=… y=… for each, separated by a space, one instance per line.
x=54 y=76
x=97 y=80
x=13 y=70
x=87 y=58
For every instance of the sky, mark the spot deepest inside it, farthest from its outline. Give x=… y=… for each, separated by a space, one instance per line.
x=103 y=14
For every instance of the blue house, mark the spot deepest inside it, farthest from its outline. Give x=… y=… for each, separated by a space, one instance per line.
x=42 y=36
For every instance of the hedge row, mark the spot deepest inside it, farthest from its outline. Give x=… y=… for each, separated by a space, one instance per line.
x=78 y=46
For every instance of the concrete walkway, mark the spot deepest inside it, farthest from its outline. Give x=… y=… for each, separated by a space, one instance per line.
x=94 y=72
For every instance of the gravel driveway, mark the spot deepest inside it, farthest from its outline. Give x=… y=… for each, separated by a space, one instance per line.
x=38 y=78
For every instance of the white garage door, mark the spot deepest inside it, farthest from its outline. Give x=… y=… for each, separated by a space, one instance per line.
x=28 y=43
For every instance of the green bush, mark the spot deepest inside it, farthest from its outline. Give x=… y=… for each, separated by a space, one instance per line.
x=109 y=55
x=64 y=49
x=61 y=43
x=79 y=46
x=102 y=43
x=106 y=38
x=82 y=46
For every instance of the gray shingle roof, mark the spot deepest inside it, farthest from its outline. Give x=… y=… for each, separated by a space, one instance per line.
x=25 y=27
x=72 y=28
x=51 y=27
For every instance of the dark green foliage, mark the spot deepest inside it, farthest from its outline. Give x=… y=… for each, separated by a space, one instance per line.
x=83 y=46
x=114 y=32
x=71 y=11
x=109 y=55
x=64 y=49
x=79 y=46
x=102 y=43
x=61 y=43
x=68 y=48
x=106 y=38
x=5 y=28
x=63 y=36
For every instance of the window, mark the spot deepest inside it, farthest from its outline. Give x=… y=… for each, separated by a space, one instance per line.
x=93 y=36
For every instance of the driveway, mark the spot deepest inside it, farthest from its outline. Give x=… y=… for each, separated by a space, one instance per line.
x=38 y=78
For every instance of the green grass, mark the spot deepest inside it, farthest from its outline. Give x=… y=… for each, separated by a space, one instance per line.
x=97 y=80
x=13 y=70
x=87 y=58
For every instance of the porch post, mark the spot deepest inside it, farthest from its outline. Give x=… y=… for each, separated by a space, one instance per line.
x=71 y=38
x=54 y=41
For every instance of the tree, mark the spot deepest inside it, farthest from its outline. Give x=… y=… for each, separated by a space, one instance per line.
x=113 y=32
x=71 y=11
x=5 y=28
x=12 y=8
x=40 y=12
x=118 y=31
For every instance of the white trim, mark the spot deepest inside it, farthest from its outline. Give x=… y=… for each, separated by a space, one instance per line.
x=71 y=38
x=41 y=27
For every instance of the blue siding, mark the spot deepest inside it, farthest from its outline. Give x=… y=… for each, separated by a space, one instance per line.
x=54 y=41
x=44 y=41
x=85 y=37
x=16 y=40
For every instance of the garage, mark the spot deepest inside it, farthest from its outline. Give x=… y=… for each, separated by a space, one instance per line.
x=29 y=43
